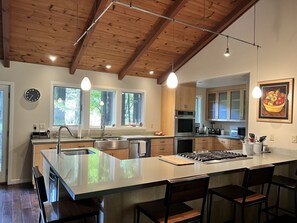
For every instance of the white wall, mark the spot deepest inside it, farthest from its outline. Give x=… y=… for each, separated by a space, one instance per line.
x=25 y=76
x=276 y=32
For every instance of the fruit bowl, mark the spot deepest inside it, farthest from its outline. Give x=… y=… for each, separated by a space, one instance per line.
x=274 y=108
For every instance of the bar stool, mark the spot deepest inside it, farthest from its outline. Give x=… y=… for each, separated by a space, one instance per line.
x=287 y=183
x=62 y=211
x=242 y=195
x=172 y=208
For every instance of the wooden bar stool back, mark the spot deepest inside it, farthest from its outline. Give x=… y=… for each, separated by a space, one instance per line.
x=243 y=195
x=172 y=208
x=62 y=211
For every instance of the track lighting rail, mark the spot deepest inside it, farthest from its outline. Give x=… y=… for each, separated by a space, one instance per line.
x=164 y=17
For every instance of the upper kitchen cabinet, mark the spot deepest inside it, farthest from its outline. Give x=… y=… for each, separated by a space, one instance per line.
x=185 y=98
x=182 y=98
x=226 y=104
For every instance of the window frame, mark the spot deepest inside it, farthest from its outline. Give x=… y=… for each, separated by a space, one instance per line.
x=114 y=105
x=65 y=85
x=85 y=107
x=143 y=107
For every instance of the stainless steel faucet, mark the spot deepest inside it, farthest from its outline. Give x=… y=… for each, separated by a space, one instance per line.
x=58 y=147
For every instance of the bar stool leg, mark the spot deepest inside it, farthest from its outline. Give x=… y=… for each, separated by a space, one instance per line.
x=234 y=212
x=259 y=212
x=295 y=192
x=137 y=215
x=242 y=214
x=277 y=201
x=209 y=207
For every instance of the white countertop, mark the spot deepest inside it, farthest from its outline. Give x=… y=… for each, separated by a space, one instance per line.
x=99 y=174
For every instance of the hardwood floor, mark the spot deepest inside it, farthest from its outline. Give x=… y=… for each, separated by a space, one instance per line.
x=18 y=203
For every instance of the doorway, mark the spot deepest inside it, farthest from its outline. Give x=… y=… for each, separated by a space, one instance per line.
x=4 y=117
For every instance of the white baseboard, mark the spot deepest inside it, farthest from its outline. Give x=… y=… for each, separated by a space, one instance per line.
x=19 y=181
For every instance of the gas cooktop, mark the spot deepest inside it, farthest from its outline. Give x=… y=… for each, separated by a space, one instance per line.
x=216 y=156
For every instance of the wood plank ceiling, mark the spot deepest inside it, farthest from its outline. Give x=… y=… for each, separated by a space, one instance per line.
x=131 y=41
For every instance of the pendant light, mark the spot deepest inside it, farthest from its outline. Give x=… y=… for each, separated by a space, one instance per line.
x=256 y=93
x=227 y=52
x=85 y=84
x=172 y=81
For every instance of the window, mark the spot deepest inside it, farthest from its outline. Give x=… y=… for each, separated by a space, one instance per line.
x=102 y=108
x=198 y=109
x=67 y=104
x=132 y=109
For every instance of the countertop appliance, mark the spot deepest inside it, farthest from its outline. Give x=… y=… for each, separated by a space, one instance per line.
x=139 y=148
x=184 y=124
x=184 y=144
x=216 y=156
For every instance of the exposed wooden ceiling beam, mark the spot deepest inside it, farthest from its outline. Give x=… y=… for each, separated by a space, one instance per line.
x=232 y=17
x=5 y=31
x=160 y=25
x=84 y=42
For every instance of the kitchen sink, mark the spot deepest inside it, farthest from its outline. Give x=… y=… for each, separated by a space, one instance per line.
x=111 y=143
x=72 y=152
x=106 y=138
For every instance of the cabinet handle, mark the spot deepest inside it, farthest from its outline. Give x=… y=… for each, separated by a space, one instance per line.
x=162 y=148
x=162 y=141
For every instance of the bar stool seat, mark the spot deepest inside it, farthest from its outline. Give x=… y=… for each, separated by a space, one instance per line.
x=287 y=183
x=172 y=208
x=242 y=195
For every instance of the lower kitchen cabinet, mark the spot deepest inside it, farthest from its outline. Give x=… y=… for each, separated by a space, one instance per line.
x=235 y=144
x=121 y=154
x=38 y=159
x=162 y=147
x=221 y=144
x=203 y=143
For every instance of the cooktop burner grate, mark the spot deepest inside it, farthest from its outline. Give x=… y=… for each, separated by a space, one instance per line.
x=215 y=156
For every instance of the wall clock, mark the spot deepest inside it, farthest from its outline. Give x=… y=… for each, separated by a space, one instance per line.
x=32 y=95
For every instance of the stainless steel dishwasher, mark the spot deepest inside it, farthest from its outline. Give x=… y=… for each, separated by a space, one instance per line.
x=139 y=148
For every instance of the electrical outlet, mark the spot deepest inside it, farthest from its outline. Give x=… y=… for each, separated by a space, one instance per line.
x=34 y=127
x=271 y=138
x=41 y=126
x=294 y=139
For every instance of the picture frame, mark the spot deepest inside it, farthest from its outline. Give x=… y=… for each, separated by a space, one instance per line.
x=276 y=102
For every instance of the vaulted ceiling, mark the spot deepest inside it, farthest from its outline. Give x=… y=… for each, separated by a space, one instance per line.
x=132 y=41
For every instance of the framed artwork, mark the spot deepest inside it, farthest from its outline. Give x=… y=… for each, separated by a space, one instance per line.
x=276 y=102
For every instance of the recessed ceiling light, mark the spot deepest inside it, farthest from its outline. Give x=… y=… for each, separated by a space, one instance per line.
x=151 y=72
x=52 y=58
x=108 y=66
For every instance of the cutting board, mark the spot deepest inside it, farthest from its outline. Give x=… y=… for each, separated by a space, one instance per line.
x=175 y=160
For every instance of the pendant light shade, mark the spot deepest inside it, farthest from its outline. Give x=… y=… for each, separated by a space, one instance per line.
x=256 y=93
x=172 y=80
x=85 y=84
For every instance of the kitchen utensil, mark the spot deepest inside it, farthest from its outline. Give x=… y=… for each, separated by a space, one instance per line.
x=262 y=138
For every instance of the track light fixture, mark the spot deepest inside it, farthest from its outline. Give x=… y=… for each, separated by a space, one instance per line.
x=227 y=52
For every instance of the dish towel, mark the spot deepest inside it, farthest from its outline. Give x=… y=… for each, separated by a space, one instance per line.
x=142 y=148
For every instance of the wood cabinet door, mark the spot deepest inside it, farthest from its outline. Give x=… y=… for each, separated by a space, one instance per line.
x=162 y=147
x=185 y=98
x=221 y=144
x=203 y=143
x=121 y=154
x=235 y=144
x=211 y=106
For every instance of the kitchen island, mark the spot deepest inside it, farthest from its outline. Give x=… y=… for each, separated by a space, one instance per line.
x=122 y=183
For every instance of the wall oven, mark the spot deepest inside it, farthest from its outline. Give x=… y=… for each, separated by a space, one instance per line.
x=184 y=124
x=184 y=144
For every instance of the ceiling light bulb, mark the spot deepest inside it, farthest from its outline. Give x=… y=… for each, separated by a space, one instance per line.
x=52 y=58
x=108 y=66
x=151 y=72
x=172 y=80
x=227 y=52
x=85 y=84
x=257 y=93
